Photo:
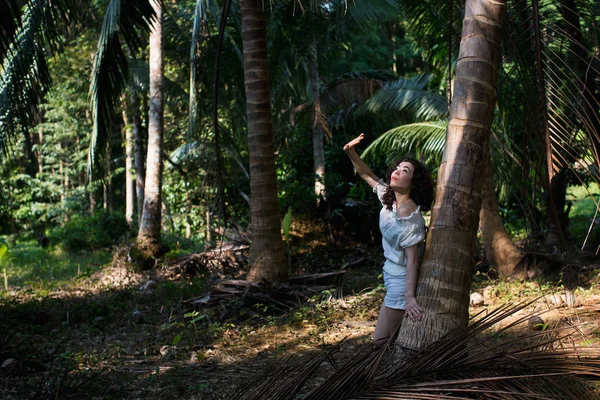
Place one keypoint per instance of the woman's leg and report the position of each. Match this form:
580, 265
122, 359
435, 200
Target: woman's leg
388, 322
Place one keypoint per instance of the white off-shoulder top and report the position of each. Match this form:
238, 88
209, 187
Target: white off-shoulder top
398, 233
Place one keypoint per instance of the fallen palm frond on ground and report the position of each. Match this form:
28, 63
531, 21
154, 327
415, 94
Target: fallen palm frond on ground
472, 362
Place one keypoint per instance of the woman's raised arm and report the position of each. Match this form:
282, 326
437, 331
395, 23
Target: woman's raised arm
361, 168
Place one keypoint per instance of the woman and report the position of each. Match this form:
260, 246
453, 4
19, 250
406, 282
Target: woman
406, 191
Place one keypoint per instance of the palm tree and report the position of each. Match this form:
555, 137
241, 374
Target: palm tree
267, 256
446, 271
410, 96
148, 239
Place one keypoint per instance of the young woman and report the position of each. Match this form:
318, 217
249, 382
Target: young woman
406, 190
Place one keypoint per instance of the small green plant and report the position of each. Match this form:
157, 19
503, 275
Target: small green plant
194, 317
4, 259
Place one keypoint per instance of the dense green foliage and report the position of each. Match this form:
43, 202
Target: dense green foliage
383, 68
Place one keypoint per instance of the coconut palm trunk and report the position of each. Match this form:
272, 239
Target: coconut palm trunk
129, 179
267, 256
140, 170
500, 250
445, 275
148, 238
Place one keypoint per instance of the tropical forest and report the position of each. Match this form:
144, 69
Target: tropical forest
299, 199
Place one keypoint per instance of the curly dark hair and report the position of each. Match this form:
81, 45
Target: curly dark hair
421, 190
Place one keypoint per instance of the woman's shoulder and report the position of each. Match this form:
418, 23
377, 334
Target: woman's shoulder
408, 210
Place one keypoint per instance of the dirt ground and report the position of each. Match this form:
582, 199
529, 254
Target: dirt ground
118, 335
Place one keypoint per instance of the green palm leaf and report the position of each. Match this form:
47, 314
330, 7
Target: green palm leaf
9, 23
433, 24
428, 137
409, 95
139, 76
25, 78
110, 70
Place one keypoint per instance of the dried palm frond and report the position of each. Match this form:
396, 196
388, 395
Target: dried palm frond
482, 360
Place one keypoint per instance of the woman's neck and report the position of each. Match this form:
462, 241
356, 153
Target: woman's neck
402, 197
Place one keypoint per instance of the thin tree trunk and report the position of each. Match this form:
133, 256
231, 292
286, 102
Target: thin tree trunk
446, 272
500, 250
317, 131
140, 171
208, 229
92, 201
129, 180
13, 228
107, 187
267, 255
61, 172
148, 237
39, 149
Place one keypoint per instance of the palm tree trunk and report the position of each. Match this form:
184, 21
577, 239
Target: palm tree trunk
140, 171
317, 131
446, 274
500, 250
129, 180
148, 237
267, 256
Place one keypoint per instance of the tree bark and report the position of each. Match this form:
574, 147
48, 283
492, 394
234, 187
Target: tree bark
446, 272
267, 255
148, 238
317, 131
500, 250
140, 171
129, 180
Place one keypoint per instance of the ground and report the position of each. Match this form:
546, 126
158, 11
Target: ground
119, 334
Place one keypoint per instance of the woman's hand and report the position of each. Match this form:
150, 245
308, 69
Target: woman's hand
412, 310
354, 142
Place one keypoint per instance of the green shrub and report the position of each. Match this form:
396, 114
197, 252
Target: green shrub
98, 231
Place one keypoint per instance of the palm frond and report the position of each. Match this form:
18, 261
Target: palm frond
547, 61
197, 39
139, 80
428, 137
110, 71
363, 12
432, 23
9, 23
25, 78
345, 92
478, 361
409, 95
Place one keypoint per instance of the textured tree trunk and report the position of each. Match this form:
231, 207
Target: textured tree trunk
108, 191
148, 238
129, 180
38, 153
61, 172
267, 255
445, 275
500, 250
140, 171
317, 131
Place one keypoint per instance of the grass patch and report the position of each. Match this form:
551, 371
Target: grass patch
582, 210
39, 268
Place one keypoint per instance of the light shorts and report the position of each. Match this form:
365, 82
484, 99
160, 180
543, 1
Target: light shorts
395, 286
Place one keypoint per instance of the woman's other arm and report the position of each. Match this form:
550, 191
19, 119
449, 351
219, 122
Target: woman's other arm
361, 168
413, 311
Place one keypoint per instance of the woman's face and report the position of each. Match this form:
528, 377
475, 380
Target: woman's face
402, 176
